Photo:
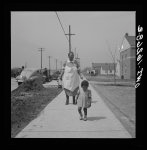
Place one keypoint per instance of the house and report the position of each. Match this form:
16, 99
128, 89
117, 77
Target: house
104, 68
128, 58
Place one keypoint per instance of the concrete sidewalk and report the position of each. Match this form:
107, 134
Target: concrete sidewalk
58, 120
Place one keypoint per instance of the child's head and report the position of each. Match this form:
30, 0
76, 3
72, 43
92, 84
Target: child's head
85, 84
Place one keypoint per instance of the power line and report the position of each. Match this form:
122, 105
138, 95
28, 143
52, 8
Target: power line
61, 25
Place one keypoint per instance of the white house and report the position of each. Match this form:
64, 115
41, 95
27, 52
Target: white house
104, 68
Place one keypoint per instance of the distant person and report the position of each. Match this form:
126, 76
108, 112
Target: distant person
70, 77
84, 99
45, 74
22, 68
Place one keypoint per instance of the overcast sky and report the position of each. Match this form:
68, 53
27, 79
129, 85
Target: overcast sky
33, 30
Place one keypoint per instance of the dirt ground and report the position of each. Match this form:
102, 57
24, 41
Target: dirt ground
27, 103
120, 98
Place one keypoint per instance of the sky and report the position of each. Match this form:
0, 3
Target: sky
96, 33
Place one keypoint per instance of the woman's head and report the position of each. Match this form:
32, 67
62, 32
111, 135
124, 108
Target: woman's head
84, 84
71, 56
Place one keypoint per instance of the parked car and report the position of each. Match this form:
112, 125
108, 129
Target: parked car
55, 75
15, 72
49, 78
30, 74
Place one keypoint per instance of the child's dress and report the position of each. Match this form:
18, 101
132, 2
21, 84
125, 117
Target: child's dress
84, 98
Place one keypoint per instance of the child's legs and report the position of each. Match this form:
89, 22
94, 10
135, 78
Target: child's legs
85, 111
67, 97
79, 110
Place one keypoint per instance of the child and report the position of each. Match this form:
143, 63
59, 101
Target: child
84, 99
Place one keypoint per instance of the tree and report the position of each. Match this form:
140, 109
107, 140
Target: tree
113, 55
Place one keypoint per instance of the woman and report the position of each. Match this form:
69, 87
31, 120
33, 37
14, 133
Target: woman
70, 77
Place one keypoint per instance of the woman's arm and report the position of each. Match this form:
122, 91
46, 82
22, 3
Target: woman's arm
61, 75
78, 93
78, 70
62, 72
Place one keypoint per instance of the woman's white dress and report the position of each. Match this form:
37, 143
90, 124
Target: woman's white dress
71, 78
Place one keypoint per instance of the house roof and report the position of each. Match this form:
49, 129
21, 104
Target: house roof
104, 66
131, 40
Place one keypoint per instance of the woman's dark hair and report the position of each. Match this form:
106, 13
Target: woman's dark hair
85, 83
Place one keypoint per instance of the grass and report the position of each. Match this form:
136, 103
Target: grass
119, 97
26, 106
109, 80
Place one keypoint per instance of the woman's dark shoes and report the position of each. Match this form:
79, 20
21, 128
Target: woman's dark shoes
74, 101
81, 118
85, 118
67, 102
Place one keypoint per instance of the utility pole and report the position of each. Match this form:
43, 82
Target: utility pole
41, 49
49, 65
69, 34
56, 64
